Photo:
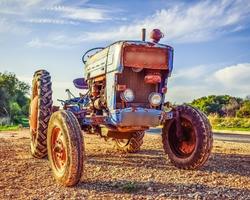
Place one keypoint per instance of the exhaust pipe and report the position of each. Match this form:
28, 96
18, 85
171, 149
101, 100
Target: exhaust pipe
143, 34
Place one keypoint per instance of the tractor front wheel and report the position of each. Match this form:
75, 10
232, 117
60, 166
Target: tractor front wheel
131, 145
65, 148
191, 147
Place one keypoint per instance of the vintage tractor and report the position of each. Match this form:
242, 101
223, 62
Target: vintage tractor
125, 88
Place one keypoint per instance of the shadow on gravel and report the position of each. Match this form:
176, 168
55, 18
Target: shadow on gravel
151, 159
235, 164
168, 189
229, 164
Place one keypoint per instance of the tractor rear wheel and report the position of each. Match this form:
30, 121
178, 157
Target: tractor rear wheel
131, 145
65, 148
40, 112
192, 149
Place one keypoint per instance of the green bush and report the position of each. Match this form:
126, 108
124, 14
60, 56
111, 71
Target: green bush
244, 111
229, 122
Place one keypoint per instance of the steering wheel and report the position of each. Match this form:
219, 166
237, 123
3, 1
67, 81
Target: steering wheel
84, 60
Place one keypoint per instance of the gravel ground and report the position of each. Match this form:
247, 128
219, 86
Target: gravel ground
112, 175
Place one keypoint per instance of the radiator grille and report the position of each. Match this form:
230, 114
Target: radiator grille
135, 81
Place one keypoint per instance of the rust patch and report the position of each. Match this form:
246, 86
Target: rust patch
140, 56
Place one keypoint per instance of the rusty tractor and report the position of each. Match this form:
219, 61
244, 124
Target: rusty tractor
125, 88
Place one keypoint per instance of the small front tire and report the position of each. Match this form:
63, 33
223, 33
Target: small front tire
65, 148
195, 145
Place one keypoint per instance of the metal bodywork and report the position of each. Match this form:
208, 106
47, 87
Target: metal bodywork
113, 64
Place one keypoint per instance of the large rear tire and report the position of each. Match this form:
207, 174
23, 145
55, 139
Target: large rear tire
65, 148
131, 145
192, 150
40, 112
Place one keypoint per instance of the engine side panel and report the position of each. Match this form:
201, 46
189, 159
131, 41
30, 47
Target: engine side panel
105, 61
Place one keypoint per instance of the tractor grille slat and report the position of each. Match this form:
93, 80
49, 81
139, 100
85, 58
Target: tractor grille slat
135, 81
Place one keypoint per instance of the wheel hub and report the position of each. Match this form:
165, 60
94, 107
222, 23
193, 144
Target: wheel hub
183, 138
187, 142
58, 147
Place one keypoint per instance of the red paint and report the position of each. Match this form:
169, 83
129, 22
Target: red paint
141, 56
164, 90
156, 35
152, 78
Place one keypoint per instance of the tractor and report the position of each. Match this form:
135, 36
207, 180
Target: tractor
124, 93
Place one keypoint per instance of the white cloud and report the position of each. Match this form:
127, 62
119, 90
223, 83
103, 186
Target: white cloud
30, 2
84, 14
233, 80
51, 21
16, 12
6, 27
235, 76
191, 73
37, 43
201, 21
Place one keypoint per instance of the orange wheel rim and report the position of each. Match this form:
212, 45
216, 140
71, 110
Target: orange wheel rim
58, 149
122, 142
184, 146
187, 145
34, 112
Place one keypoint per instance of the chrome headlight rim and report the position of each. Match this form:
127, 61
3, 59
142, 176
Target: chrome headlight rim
152, 95
127, 95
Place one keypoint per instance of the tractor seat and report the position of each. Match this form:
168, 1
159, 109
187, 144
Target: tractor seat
80, 83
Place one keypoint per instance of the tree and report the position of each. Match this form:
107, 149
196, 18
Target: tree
220, 105
13, 97
248, 97
3, 102
244, 111
232, 107
15, 112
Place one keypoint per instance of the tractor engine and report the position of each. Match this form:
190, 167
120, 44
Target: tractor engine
97, 94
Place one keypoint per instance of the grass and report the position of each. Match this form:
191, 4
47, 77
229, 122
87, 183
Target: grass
9, 128
229, 123
230, 128
130, 187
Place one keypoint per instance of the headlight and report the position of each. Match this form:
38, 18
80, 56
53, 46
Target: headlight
128, 95
155, 99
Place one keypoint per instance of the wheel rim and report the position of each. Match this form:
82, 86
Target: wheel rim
34, 113
58, 149
122, 142
184, 146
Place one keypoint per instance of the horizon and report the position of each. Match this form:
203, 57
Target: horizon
212, 51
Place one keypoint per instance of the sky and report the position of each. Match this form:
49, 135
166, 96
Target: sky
211, 40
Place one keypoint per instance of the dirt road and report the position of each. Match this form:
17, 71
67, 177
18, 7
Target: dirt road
229, 136
111, 175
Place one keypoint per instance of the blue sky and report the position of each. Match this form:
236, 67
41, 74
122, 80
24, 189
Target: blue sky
211, 40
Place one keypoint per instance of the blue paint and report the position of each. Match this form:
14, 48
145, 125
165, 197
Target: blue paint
170, 60
121, 117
